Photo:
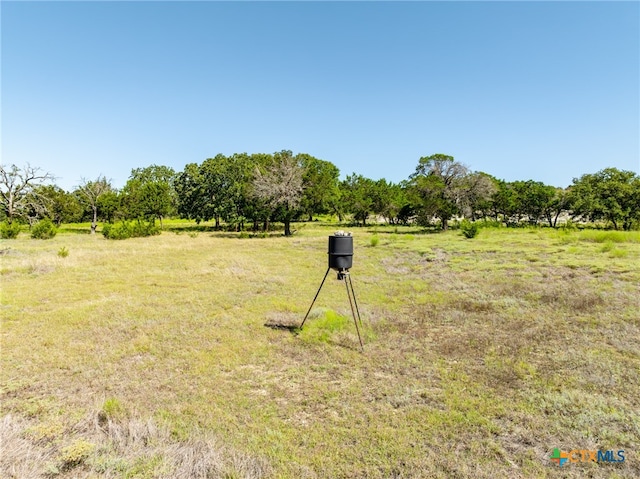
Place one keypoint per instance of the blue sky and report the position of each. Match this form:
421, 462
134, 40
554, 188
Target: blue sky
521, 90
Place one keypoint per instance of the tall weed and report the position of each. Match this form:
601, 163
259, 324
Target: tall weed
606, 247
596, 236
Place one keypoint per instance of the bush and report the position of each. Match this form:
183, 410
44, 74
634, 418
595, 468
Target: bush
126, 230
145, 229
375, 240
9, 230
44, 229
63, 252
76, 453
485, 223
469, 229
117, 231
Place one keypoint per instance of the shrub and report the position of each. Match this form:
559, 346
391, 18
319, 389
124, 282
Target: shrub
126, 230
486, 223
9, 230
469, 229
145, 229
43, 229
375, 240
118, 231
76, 453
63, 252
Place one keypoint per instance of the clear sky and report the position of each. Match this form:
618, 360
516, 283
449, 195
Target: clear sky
521, 90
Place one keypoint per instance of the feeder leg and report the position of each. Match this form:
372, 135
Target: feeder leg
316, 297
353, 313
354, 299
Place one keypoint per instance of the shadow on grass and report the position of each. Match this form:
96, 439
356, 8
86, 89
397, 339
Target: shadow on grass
192, 228
224, 232
293, 329
246, 235
77, 231
416, 231
283, 321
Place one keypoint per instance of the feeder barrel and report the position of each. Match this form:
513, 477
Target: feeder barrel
340, 252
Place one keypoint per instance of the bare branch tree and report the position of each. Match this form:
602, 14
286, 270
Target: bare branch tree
16, 184
474, 189
90, 192
280, 184
37, 205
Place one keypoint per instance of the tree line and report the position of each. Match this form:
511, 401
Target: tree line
251, 191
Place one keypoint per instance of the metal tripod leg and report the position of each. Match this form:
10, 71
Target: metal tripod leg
354, 299
353, 313
316, 297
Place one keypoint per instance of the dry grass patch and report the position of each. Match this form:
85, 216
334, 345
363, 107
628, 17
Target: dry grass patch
99, 446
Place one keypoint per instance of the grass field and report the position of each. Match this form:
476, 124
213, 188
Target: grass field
150, 357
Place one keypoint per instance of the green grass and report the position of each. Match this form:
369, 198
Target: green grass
599, 236
125, 358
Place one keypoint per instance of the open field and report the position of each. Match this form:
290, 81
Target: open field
150, 357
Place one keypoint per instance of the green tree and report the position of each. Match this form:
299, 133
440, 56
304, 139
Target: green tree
320, 181
437, 187
217, 202
388, 200
60, 206
154, 174
228, 184
558, 204
217, 189
149, 193
358, 196
190, 191
131, 206
109, 206
533, 199
249, 206
610, 194
503, 201
157, 200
